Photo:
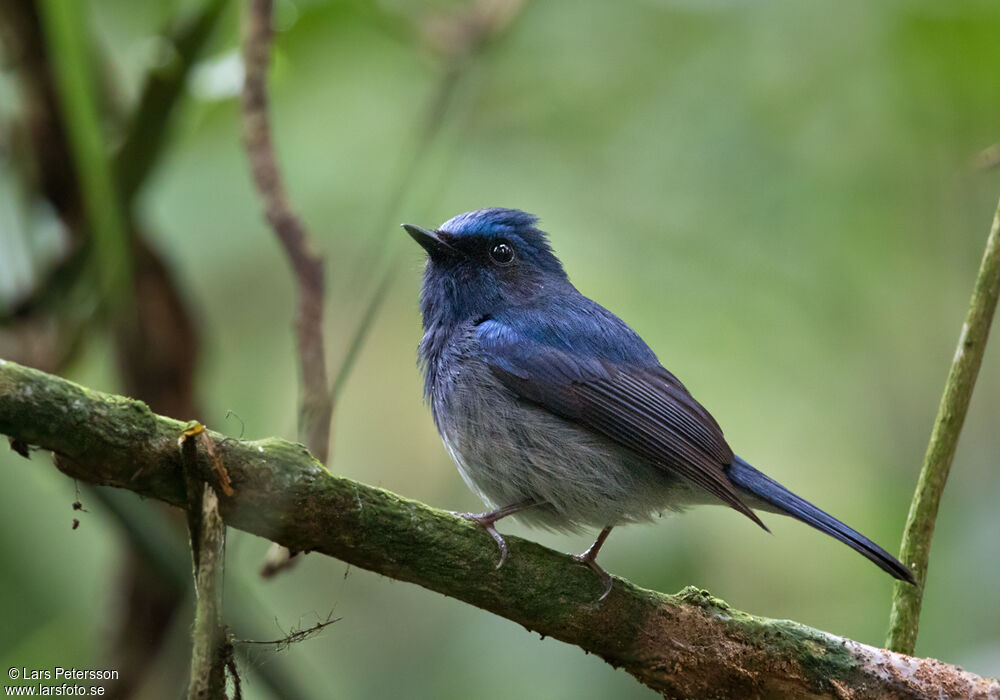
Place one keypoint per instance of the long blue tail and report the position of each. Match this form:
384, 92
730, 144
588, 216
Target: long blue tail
784, 501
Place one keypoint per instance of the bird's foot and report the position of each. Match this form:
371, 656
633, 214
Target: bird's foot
487, 521
590, 559
605, 577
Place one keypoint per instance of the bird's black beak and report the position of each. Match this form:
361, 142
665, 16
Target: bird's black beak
430, 241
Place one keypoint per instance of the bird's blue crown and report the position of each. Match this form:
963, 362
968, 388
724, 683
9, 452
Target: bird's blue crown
518, 226
491, 222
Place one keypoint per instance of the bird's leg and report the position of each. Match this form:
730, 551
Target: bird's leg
487, 520
590, 559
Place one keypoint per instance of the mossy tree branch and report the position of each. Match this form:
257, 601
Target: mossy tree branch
915, 548
687, 645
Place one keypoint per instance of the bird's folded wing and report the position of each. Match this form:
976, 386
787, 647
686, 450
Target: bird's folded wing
639, 405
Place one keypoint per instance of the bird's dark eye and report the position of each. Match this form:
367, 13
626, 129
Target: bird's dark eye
502, 253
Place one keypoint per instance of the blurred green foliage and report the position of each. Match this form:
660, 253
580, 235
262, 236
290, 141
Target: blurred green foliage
778, 196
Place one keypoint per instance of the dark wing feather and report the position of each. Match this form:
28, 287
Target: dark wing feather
642, 407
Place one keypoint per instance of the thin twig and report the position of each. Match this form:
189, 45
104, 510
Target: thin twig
360, 333
295, 635
315, 405
460, 38
915, 549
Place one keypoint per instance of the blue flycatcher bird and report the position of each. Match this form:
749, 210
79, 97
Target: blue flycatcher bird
557, 412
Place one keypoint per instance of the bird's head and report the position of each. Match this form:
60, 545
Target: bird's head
481, 261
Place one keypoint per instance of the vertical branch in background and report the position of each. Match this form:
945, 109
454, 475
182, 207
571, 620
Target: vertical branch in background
915, 549
148, 132
63, 24
315, 403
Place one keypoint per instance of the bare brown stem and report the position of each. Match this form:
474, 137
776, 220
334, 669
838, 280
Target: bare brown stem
315, 403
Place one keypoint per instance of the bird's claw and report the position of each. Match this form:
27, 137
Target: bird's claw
488, 524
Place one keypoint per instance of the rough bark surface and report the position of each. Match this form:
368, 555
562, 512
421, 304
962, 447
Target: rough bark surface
689, 645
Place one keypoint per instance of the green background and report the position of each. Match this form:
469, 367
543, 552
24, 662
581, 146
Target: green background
779, 197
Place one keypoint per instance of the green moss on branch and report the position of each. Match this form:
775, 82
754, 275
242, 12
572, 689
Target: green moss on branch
690, 645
